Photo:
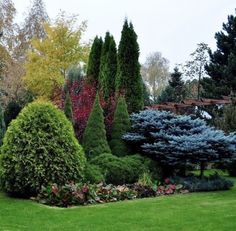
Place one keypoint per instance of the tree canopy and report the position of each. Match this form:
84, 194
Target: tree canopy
48, 62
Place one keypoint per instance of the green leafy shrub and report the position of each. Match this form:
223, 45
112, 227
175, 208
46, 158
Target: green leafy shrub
212, 183
40, 147
92, 174
121, 170
115, 170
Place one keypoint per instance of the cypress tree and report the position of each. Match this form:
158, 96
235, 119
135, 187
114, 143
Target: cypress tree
2, 125
108, 67
94, 138
222, 65
94, 59
68, 107
121, 125
128, 78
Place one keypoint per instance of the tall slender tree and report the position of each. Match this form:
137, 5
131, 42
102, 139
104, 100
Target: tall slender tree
128, 78
94, 59
108, 67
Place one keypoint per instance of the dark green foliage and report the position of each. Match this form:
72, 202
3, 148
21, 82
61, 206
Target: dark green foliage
115, 170
121, 170
68, 107
12, 110
212, 183
175, 91
128, 78
108, 66
179, 141
39, 147
121, 125
92, 174
2, 126
94, 59
232, 168
166, 95
146, 95
94, 138
227, 122
222, 66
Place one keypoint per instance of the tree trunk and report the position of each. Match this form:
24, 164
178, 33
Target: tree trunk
202, 168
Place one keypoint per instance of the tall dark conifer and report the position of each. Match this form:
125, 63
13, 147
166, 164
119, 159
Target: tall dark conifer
222, 66
108, 66
94, 59
128, 78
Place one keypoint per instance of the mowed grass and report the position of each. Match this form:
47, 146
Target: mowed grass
213, 211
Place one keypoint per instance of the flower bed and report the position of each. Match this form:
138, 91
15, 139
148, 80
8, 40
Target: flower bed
84, 194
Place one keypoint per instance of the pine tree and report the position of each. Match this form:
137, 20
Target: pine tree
175, 91
94, 138
108, 67
222, 65
68, 107
121, 125
94, 59
2, 126
128, 78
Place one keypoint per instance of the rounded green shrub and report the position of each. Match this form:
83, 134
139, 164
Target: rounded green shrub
121, 170
114, 169
92, 174
40, 148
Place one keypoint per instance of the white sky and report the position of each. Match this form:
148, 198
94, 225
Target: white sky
172, 27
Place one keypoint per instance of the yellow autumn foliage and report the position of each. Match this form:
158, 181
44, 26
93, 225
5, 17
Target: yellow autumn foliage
50, 58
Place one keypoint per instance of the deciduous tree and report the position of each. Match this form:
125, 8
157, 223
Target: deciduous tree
48, 62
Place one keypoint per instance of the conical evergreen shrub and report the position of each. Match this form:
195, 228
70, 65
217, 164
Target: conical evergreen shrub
121, 125
68, 107
94, 138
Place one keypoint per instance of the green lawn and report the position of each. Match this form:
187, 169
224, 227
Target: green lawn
214, 211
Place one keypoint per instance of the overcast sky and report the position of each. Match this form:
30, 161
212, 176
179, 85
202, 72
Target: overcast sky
172, 27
